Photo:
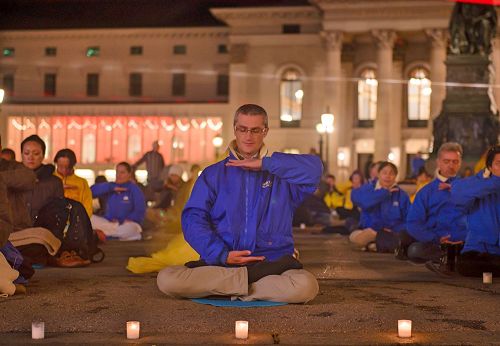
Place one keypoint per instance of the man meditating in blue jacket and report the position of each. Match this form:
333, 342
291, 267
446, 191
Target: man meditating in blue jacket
433, 220
239, 219
479, 197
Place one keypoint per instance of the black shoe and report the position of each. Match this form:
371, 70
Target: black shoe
439, 269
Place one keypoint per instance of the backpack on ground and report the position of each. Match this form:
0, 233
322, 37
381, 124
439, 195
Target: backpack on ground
68, 221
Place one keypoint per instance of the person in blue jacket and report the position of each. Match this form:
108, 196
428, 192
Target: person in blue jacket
239, 219
125, 208
433, 220
383, 208
479, 197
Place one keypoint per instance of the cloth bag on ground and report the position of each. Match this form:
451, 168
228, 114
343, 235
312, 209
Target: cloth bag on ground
69, 222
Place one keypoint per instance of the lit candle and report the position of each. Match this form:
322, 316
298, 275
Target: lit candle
241, 329
404, 328
37, 330
487, 278
302, 226
133, 329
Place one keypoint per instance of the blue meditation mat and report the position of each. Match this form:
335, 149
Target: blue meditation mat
237, 303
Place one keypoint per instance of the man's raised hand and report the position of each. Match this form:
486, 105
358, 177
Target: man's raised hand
250, 164
242, 257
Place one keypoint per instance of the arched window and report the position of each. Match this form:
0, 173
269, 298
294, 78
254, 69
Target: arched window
367, 98
419, 97
291, 94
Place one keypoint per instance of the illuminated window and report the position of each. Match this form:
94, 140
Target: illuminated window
49, 85
180, 49
50, 51
93, 52
179, 84
8, 51
88, 148
367, 98
93, 84
419, 96
222, 84
8, 84
135, 84
291, 95
136, 50
222, 49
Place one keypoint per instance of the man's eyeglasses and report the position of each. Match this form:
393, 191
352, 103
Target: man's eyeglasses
253, 131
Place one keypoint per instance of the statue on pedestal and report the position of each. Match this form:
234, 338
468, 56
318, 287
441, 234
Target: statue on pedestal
472, 27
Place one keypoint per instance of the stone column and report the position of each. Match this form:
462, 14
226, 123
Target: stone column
3, 126
495, 57
382, 129
333, 45
439, 41
238, 92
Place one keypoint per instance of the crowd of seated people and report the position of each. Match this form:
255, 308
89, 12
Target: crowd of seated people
33, 194
449, 224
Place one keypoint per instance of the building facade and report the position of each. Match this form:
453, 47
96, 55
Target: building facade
378, 66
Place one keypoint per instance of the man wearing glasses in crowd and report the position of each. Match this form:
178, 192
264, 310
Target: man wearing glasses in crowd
239, 219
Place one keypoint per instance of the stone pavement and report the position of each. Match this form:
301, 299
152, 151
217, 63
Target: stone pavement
362, 295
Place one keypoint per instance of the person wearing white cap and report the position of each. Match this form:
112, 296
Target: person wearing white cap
170, 186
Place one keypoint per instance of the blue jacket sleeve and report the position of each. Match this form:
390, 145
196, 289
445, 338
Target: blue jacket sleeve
301, 171
137, 214
366, 197
197, 226
416, 220
102, 189
464, 192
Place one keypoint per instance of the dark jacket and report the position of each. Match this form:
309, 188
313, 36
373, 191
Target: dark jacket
47, 187
18, 180
5, 215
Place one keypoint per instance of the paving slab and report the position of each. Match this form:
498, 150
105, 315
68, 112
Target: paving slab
362, 295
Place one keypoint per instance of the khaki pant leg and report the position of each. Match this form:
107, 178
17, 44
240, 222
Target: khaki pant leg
362, 237
183, 282
293, 286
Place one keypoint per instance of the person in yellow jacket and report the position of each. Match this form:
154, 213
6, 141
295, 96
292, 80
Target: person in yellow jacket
177, 251
75, 187
333, 197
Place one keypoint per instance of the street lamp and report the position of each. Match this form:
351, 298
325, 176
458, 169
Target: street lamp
217, 141
321, 130
3, 124
327, 120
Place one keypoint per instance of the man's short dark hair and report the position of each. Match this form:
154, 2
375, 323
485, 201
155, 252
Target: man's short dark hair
10, 152
127, 166
251, 109
36, 139
67, 153
384, 164
490, 156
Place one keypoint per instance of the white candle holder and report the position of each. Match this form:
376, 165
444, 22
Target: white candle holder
487, 278
241, 330
404, 328
37, 330
133, 329
302, 226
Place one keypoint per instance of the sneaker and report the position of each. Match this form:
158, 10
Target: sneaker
71, 260
438, 269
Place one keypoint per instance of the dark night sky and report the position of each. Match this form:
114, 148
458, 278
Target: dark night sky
62, 14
